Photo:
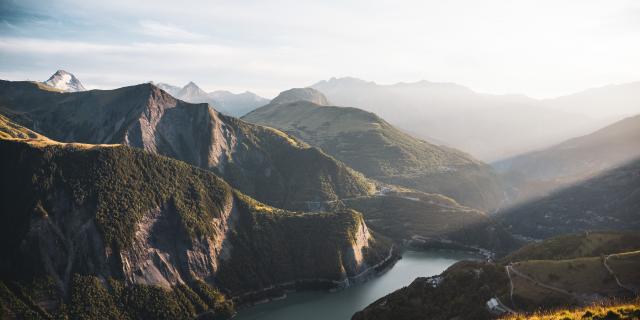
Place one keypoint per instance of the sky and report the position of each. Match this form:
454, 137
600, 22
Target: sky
540, 48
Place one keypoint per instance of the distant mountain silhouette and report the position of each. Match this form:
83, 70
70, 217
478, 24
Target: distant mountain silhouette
224, 101
540, 172
490, 127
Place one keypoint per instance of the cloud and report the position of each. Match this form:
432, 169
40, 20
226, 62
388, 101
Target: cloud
538, 47
264, 70
167, 31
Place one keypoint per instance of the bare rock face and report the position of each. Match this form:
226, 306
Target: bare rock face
64, 244
162, 255
362, 241
354, 256
194, 133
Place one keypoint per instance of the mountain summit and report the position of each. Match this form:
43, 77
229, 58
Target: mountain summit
192, 92
65, 81
301, 94
224, 101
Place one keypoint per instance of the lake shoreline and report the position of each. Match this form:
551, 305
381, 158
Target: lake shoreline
280, 291
336, 303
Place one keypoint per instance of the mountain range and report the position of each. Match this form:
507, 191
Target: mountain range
85, 207
262, 162
132, 203
474, 122
607, 101
124, 233
370, 145
233, 104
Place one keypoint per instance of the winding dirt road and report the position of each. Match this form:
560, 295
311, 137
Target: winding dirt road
613, 274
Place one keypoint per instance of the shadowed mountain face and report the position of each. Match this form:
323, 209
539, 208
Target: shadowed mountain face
540, 172
73, 216
460, 117
261, 162
372, 146
610, 200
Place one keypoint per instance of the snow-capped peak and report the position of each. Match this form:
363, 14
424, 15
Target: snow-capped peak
65, 81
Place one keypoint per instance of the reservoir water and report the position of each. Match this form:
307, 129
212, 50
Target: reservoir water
341, 305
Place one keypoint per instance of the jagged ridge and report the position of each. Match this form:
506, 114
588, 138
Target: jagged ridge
261, 162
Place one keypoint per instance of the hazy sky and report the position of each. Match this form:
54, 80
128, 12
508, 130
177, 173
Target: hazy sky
540, 48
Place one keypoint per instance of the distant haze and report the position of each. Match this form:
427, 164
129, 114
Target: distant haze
538, 48
490, 127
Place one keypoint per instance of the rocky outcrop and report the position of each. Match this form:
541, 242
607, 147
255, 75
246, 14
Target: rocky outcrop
361, 240
161, 255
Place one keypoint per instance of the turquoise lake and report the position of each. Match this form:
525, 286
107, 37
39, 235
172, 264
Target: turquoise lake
341, 305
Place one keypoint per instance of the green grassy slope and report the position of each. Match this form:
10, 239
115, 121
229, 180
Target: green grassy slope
372, 146
577, 245
541, 276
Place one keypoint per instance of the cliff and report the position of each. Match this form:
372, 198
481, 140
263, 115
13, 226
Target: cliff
126, 225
